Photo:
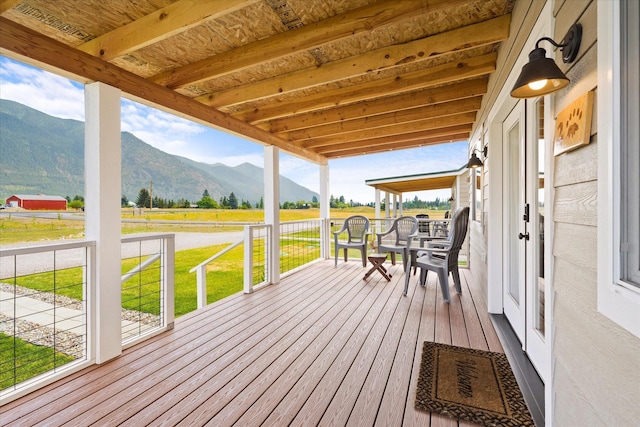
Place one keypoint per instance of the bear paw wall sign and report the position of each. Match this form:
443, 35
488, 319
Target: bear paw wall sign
573, 125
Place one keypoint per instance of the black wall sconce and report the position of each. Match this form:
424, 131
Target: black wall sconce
474, 161
541, 75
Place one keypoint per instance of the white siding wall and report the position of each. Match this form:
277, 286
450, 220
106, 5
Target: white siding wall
596, 377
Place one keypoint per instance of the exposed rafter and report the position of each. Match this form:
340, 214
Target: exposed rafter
466, 89
159, 25
473, 36
364, 19
318, 79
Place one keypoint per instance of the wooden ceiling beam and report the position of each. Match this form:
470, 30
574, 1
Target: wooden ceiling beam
361, 20
403, 117
422, 79
452, 92
464, 38
22, 42
428, 124
413, 137
159, 25
395, 146
7, 4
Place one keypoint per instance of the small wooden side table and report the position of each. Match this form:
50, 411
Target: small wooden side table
377, 260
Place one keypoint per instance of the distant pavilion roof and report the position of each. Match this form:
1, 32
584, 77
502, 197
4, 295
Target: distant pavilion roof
419, 182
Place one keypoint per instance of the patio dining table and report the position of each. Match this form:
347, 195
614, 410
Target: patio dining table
433, 227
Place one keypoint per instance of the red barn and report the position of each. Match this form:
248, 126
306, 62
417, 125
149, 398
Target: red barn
37, 202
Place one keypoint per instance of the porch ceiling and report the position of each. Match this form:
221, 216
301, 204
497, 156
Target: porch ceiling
320, 80
421, 182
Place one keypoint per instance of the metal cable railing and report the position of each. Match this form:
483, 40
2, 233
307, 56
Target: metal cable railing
149, 274
43, 310
299, 244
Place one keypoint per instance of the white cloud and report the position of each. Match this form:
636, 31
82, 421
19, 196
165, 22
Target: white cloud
159, 129
41, 90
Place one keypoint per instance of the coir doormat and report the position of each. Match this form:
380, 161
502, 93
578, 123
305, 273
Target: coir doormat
471, 385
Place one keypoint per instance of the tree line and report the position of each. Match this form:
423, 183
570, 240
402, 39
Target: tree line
144, 200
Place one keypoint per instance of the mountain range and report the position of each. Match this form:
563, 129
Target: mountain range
41, 154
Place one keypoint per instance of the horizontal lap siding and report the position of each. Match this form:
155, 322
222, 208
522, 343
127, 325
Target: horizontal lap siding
595, 376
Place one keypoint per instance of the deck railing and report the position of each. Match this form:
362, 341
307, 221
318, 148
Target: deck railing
258, 241
201, 273
300, 244
46, 308
147, 285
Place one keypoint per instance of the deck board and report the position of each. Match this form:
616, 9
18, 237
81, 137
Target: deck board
323, 347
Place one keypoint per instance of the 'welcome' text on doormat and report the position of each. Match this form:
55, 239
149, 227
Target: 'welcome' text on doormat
472, 385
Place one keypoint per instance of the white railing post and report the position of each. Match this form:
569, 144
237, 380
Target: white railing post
325, 238
201, 274
268, 241
201, 278
248, 259
168, 277
89, 304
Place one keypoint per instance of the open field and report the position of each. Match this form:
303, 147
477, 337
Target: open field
16, 229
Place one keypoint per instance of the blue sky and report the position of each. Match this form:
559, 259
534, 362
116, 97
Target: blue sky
61, 97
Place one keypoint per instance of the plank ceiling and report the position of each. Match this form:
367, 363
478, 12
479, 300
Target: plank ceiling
320, 79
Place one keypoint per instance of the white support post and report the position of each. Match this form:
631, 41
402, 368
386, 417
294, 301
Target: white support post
400, 204
387, 207
395, 205
325, 212
378, 229
272, 206
102, 216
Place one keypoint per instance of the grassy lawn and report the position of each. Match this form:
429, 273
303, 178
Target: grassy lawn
21, 360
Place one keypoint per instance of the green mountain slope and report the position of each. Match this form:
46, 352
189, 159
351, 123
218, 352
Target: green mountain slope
44, 154
244, 178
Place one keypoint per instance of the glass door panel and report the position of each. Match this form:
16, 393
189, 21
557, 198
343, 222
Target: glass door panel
539, 288
514, 228
513, 185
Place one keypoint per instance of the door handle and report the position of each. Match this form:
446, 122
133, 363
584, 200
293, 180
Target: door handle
523, 236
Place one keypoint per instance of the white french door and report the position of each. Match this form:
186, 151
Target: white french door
523, 233
514, 241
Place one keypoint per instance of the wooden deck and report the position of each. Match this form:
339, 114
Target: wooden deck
323, 347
